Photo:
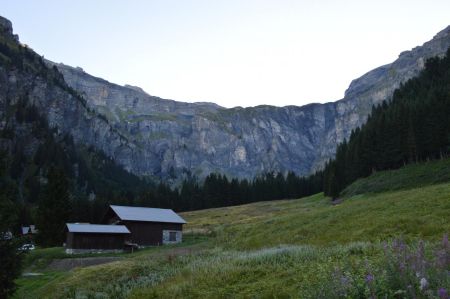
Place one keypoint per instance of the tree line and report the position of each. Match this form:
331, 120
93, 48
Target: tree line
219, 191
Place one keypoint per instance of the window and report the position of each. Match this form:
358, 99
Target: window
172, 236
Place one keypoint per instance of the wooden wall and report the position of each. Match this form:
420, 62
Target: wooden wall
149, 233
95, 241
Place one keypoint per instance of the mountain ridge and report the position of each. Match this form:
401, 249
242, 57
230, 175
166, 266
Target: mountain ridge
162, 138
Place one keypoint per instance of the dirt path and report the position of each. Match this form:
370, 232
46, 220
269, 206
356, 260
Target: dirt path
71, 263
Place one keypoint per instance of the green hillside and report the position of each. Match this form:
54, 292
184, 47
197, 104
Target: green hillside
281, 249
408, 177
412, 213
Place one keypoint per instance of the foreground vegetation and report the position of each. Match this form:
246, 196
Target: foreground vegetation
369, 245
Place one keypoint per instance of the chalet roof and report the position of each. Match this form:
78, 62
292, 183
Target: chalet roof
97, 228
147, 214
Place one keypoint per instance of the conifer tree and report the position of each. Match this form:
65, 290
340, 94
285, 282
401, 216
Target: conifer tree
10, 257
54, 209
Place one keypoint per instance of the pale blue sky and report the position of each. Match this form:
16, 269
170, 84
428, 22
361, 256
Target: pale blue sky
232, 52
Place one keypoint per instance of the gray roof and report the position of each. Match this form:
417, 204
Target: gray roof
147, 214
97, 228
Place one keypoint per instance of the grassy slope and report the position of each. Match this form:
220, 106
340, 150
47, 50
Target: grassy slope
420, 212
267, 249
408, 177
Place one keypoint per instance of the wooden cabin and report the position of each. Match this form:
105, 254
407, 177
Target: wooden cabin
148, 226
85, 237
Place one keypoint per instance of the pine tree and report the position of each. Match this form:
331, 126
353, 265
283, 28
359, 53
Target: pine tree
11, 261
54, 209
10, 258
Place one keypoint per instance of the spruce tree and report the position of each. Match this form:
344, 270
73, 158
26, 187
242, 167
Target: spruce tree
10, 257
54, 209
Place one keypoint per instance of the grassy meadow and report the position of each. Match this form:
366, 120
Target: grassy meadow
387, 242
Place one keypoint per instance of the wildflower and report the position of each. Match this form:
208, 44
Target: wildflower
442, 293
423, 283
369, 278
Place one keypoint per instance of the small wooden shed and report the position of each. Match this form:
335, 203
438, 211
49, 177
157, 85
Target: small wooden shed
85, 237
148, 226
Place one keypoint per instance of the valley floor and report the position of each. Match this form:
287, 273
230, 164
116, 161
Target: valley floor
303, 248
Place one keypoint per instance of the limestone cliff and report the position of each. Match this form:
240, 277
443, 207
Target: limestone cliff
151, 136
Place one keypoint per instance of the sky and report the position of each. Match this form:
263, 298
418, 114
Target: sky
231, 52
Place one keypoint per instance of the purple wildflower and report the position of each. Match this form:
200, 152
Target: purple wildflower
442, 293
369, 278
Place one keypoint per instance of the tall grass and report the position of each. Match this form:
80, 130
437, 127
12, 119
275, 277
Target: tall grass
355, 270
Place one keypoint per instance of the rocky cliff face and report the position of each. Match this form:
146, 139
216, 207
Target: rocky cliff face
157, 137
201, 138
